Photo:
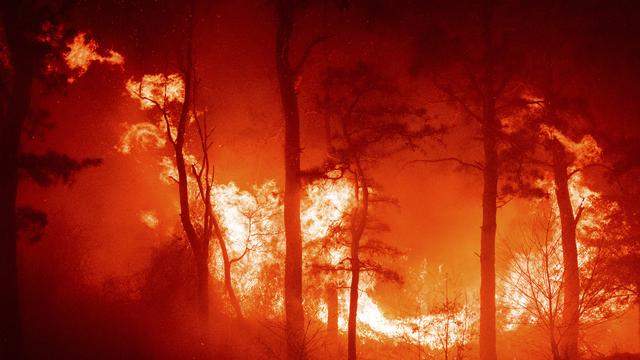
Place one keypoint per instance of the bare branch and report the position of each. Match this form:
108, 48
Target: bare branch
307, 52
474, 165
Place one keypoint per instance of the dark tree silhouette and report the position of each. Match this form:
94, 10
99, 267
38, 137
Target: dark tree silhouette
366, 122
288, 76
482, 68
623, 225
200, 223
26, 55
537, 277
557, 117
15, 108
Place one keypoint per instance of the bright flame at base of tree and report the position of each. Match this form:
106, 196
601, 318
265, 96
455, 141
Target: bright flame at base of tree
253, 225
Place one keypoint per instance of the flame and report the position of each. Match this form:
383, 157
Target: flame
519, 294
586, 151
253, 225
249, 222
326, 204
150, 219
157, 89
145, 134
82, 53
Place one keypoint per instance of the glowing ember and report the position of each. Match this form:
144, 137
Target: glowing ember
150, 219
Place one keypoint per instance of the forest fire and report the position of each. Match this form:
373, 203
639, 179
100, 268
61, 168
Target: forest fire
319, 180
81, 53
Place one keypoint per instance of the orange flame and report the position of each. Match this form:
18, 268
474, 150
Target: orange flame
252, 222
519, 293
150, 219
81, 54
158, 89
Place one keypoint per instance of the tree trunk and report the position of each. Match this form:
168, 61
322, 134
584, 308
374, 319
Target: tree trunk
555, 352
199, 244
570, 311
293, 250
553, 343
332, 315
227, 268
22, 61
357, 229
490, 128
353, 302
202, 273
488, 243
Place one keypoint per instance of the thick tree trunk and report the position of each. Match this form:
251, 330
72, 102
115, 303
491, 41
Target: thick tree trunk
293, 256
570, 311
490, 128
22, 61
202, 273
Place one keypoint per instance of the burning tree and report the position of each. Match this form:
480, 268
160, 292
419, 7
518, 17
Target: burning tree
366, 121
623, 224
452, 321
534, 288
173, 98
445, 322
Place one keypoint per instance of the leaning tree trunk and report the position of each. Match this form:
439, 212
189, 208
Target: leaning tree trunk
570, 311
357, 229
199, 248
226, 261
17, 105
294, 314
